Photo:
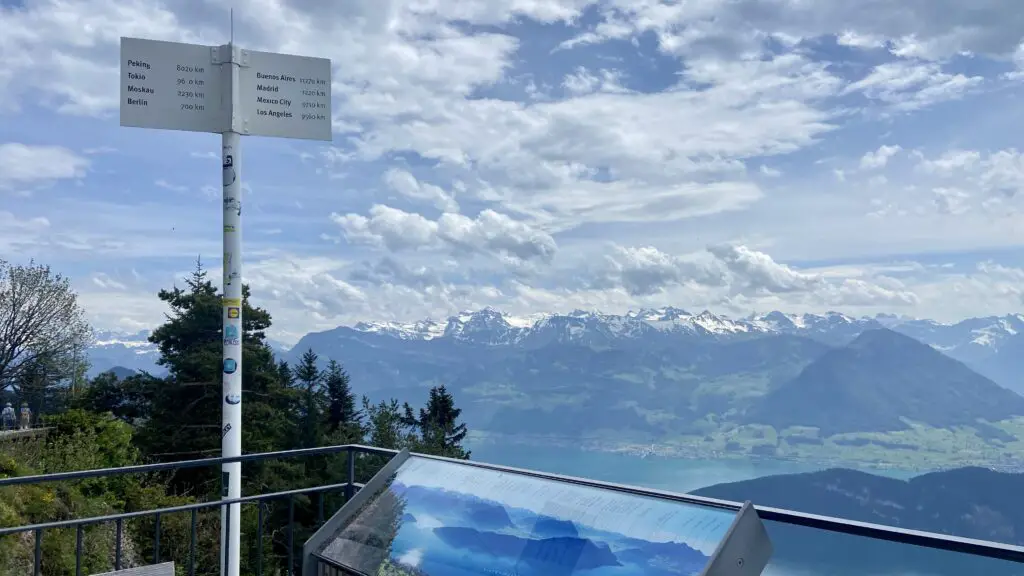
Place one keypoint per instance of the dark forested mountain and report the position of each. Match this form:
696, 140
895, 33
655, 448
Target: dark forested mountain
878, 382
120, 372
966, 502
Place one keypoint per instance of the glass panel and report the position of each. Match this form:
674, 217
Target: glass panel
440, 518
801, 551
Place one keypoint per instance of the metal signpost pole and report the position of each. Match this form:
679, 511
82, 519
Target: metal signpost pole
231, 92
231, 433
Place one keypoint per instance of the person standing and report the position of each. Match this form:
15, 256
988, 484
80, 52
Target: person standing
7, 418
26, 416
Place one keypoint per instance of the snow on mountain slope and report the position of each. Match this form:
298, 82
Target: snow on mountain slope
972, 340
128, 350
492, 327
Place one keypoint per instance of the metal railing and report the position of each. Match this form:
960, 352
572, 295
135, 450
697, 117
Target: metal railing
979, 548
79, 524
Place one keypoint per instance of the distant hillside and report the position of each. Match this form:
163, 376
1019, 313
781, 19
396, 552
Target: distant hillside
967, 502
120, 372
648, 392
1006, 366
772, 385
877, 381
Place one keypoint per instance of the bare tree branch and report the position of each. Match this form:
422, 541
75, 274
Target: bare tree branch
41, 323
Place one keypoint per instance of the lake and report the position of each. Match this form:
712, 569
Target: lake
671, 474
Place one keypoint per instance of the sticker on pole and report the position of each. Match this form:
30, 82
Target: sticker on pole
171, 86
232, 399
230, 366
286, 96
231, 335
233, 312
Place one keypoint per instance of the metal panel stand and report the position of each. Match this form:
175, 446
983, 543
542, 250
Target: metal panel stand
165, 569
746, 548
354, 505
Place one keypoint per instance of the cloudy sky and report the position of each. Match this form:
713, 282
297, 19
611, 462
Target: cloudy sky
541, 155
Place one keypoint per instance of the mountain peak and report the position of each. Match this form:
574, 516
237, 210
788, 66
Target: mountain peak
895, 379
884, 338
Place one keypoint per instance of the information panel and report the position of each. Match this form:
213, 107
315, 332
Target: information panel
286, 96
171, 86
437, 518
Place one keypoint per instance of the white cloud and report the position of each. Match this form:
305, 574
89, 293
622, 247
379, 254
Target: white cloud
878, 158
406, 184
950, 162
971, 179
906, 86
858, 40
19, 235
172, 187
477, 165
488, 233
24, 165
106, 282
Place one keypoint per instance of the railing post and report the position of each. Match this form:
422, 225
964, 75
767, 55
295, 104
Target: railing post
259, 538
78, 550
38, 560
291, 535
156, 541
227, 541
192, 546
350, 489
320, 496
119, 532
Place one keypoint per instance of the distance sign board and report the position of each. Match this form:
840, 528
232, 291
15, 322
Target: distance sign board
285, 96
172, 86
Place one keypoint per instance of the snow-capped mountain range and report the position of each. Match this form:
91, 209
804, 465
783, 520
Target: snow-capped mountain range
489, 326
132, 350
974, 341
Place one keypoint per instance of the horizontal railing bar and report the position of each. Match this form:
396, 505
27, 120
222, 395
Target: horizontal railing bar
182, 464
170, 510
945, 542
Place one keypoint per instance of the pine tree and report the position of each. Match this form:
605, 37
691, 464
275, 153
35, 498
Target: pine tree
39, 385
440, 431
126, 399
343, 419
385, 427
311, 420
185, 410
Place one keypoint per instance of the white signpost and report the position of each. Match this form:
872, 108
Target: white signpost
234, 92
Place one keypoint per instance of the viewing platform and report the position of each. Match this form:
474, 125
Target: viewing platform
426, 515
27, 434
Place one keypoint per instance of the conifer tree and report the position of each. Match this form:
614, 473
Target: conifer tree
438, 426
385, 426
311, 420
344, 421
185, 411
125, 399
